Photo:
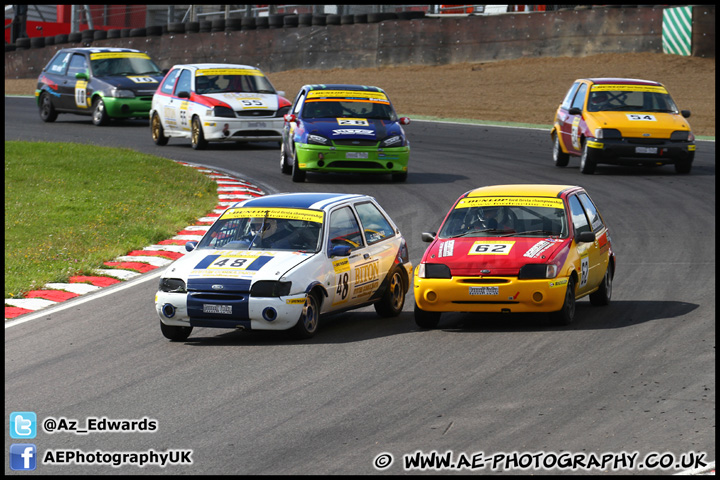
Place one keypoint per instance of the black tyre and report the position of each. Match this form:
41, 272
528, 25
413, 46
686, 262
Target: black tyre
684, 166
99, 113
425, 319
393, 300
157, 130
587, 160
560, 158
174, 333
197, 135
284, 166
47, 110
298, 175
309, 320
399, 177
603, 294
566, 314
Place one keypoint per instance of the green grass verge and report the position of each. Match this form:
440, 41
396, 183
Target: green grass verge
71, 207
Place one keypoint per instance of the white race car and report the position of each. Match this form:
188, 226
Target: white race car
279, 261
209, 102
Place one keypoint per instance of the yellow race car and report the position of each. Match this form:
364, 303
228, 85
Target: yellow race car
516, 248
624, 122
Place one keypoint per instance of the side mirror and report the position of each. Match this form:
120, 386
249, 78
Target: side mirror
428, 236
165, 71
82, 76
404, 121
290, 117
281, 93
340, 250
183, 94
585, 237
685, 113
190, 246
575, 111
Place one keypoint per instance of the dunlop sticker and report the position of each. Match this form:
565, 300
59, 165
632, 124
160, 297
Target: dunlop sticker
341, 265
104, 55
228, 71
510, 202
347, 94
629, 88
285, 213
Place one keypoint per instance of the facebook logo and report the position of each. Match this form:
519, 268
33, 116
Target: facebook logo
23, 456
23, 425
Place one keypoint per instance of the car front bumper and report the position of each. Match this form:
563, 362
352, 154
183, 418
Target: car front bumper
137, 107
319, 158
631, 151
493, 295
243, 130
242, 311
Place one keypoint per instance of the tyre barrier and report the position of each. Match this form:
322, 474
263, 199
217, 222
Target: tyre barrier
100, 35
333, 19
75, 37
205, 26
248, 23
233, 24
113, 33
192, 27
319, 20
217, 25
37, 42
154, 30
291, 21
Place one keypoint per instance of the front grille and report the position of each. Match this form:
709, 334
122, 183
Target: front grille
255, 113
356, 143
485, 302
256, 133
219, 297
353, 164
646, 141
484, 281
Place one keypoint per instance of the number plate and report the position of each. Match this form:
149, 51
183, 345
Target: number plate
226, 309
356, 155
652, 150
484, 290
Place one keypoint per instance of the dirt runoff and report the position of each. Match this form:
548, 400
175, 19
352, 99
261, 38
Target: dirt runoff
526, 90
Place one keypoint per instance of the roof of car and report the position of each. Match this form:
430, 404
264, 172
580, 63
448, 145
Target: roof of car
97, 50
521, 190
342, 86
621, 81
200, 66
300, 200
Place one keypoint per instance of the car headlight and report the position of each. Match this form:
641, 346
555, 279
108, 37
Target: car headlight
314, 139
282, 111
680, 136
223, 112
433, 270
607, 133
538, 270
117, 93
172, 285
394, 141
270, 288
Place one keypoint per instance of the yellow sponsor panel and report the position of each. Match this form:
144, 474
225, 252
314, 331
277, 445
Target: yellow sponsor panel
347, 94
628, 88
285, 213
104, 55
228, 71
295, 301
592, 144
471, 201
341, 265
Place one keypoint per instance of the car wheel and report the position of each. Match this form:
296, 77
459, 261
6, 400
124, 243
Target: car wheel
197, 135
560, 158
284, 167
175, 333
99, 113
158, 133
602, 295
47, 110
587, 160
307, 324
298, 175
425, 319
393, 300
566, 314
399, 177
684, 166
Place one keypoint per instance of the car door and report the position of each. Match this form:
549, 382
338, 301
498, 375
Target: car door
177, 108
73, 91
599, 251
382, 243
162, 101
571, 126
290, 128
586, 251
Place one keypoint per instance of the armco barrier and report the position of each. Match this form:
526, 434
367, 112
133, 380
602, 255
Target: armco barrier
435, 40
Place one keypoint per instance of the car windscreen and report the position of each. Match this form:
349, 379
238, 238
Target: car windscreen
105, 64
348, 104
630, 98
221, 80
266, 228
506, 216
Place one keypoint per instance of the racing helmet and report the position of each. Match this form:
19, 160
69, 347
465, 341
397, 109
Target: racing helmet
598, 98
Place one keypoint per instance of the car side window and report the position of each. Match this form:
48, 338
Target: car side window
579, 100
375, 226
169, 82
579, 219
344, 229
78, 64
570, 95
591, 211
298, 102
59, 64
183, 83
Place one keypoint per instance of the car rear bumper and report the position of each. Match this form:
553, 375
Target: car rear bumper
631, 151
319, 158
493, 295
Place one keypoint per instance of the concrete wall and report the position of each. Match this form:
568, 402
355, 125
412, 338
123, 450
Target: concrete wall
425, 41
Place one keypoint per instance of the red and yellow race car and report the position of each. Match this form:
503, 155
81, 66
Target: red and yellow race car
621, 121
516, 249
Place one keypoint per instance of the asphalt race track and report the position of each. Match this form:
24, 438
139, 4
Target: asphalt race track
637, 376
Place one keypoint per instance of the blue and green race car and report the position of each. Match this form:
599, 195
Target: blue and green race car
338, 128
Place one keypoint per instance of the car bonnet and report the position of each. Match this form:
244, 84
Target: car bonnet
240, 101
639, 124
353, 128
142, 84
495, 255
